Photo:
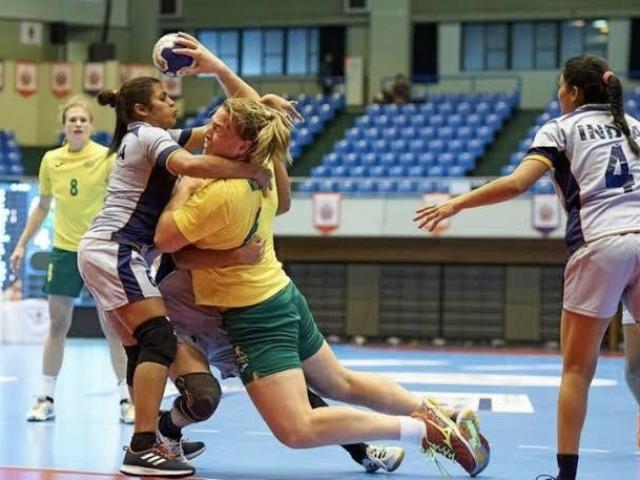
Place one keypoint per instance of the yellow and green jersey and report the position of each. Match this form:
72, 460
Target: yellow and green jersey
222, 215
77, 181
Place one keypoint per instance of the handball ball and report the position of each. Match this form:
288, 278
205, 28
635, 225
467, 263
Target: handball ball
169, 63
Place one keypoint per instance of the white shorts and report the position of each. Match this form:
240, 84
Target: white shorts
116, 274
196, 325
601, 273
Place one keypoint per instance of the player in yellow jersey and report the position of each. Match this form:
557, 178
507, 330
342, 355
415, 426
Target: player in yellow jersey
75, 176
277, 346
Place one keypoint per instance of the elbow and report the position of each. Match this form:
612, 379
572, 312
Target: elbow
515, 186
162, 242
283, 207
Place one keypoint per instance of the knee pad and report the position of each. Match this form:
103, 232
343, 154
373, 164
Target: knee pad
157, 340
200, 396
133, 353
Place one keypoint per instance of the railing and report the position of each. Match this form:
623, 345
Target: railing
422, 85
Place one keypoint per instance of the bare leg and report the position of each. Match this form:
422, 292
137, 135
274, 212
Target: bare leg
116, 352
60, 314
581, 338
369, 390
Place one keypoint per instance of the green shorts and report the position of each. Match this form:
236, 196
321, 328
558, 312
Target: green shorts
63, 276
273, 336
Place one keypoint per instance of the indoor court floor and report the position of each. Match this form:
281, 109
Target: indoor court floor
515, 393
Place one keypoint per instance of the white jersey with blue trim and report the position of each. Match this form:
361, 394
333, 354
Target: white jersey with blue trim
140, 185
595, 172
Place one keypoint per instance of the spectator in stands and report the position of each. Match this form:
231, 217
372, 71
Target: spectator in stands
327, 74
401, 90
75, 175
399, 93
593, 156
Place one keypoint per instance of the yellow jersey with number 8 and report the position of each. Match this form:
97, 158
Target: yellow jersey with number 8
78, 182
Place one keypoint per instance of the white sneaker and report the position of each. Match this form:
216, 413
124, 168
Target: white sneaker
387, 458
127, 412
42, 411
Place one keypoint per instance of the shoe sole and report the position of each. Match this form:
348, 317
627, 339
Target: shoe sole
195, 453
36, 420
132, 470
465, 426
397, 464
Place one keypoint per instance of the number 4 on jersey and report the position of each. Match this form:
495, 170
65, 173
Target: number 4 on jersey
623, 179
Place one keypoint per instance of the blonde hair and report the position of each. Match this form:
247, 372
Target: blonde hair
266, 128
75, 101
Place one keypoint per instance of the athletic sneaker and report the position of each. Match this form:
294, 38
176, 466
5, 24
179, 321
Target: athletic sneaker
467, 422
42, 411
387, 458
444, 437
154, 462
127, 412
183, 448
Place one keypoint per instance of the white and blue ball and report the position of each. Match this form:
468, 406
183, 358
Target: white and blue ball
166, 60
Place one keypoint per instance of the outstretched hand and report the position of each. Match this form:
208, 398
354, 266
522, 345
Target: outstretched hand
252, 252
205, 60
431, 215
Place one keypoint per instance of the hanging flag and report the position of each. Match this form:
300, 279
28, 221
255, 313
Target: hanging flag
433, 199
545, 215
93, 77
173, 86
326, 212
26, 78
31, 33
60, 78
133, 70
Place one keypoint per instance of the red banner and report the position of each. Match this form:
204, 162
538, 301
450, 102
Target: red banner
133, 70
326, 212
93, 77
61, 73
26, 80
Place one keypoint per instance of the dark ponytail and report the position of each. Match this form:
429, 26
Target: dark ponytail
613, 86
136, 90
598, 84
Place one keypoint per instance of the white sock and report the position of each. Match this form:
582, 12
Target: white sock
412, 430
123, 389
48, 388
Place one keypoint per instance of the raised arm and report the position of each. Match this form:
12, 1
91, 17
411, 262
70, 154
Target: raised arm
208, 62
499, 190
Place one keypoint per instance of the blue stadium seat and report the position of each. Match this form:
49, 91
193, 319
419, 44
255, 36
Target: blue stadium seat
467, 161
315, 124
390, 109
398, 146
445, 133
456, 146
416, 172
304, 136
366, 187
379, 146
445, 108
407, 159
327, 186
485, 134
386, 187
427, 133
342, 146
427, 109
326, 112
456, 171
390, 133
464, 108
382, 121
396, 171
351, 160
359, 171
388, 159
407, 187
340, 171
371, 133
347, 187
321, 171
515, 158
331, 159
364, 121
378, 171
474, 120
455, 121
360, 147
308, 186
374, 109
426, 159
353, 134
435, 146
418, 146
465, 133
436, 121
369, 160
418, 120
446, 159
436, 171
400, 121
408, 133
